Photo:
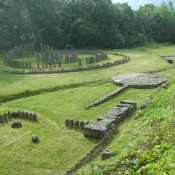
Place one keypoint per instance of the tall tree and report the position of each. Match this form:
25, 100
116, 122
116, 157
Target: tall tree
15, 26
83, 23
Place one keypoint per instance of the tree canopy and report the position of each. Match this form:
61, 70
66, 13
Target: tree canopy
84, 23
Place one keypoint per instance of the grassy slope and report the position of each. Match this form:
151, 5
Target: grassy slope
55, 137
133, 135
148, 146
55, 155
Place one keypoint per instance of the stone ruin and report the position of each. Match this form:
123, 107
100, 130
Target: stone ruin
106, 154
21, 115
52, 69
133, 80
16, 124
26, 50
99, 128
70, 123
139, 80
94, 130
50, 57
169, 59
35, 139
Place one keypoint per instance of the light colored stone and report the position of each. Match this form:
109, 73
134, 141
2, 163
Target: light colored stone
139, 80
107, 154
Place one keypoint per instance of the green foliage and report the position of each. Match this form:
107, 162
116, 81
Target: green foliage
84, 24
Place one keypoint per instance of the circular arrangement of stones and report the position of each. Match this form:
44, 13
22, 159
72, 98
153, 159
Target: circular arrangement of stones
139, 80
50, 60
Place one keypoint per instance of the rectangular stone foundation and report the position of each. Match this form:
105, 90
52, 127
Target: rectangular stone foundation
103, 124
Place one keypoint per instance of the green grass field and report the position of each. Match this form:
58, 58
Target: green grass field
56, 97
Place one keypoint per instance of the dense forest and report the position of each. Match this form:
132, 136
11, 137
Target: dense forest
84, 23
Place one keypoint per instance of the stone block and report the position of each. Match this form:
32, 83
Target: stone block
77, 124
9, 115
87, 132
35, 139
19, 114
35, 117
124, 105
78, 165
71, 124
16, 124
74, 168
1, 119
107, 154
30, 116
5, 117
14, 115
23, 115
67, 122
27, 115
82, 124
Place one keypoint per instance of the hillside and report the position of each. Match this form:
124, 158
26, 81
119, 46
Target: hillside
151, 140
54, 98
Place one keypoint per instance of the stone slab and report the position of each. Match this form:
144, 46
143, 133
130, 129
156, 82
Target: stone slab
99, 128
139, 80
169, 59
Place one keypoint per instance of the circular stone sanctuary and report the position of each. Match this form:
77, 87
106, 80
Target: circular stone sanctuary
139, 80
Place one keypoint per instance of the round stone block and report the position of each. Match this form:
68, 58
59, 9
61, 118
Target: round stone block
16, 124
35, 139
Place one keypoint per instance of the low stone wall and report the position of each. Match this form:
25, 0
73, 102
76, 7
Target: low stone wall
105, 98
23, 115
148, 99
76, 69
